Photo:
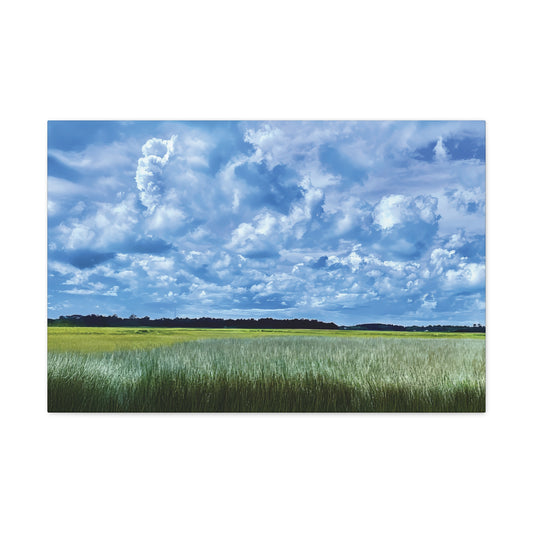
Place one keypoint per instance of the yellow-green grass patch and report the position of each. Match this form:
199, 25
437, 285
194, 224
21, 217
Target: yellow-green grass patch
106, 339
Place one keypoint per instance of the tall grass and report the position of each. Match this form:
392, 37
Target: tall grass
298, 374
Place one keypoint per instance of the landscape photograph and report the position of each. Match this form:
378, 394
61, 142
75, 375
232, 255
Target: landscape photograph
266, 266
280, 251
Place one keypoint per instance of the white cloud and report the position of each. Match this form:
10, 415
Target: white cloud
232, 188
165, 218
467, 275
303, 211
269, 230
114, 223
112, 292
467, 200
441, 259
95, 157
428, 302
53, 208
154, 265
295, 144
110, 225
62, 268
391, 210
456, 240
441, 154
243, 233
396, 209
156, 154
223, 262
79, 291
268, 141
265, 224
77, 236
160, 148
259, 237
353, 260
61, 188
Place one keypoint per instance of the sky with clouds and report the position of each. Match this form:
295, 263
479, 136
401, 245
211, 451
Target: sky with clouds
348, 222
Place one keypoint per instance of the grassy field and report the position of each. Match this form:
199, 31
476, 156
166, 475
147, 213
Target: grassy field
152, 370
85, 340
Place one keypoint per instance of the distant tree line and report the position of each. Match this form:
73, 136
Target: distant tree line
204, 322
247, 323
476, 328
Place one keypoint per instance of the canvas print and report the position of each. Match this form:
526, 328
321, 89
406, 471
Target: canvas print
266, 266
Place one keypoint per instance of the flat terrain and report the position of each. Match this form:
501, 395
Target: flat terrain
85, 340
154, 370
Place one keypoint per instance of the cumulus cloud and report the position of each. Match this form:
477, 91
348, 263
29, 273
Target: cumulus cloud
303, 212
353, 260
456, 240
269, 231
441, 154
166, 218
104, 228
441, 258
268, 141
466, 275
76, 236
467, 200
397, 209
258, 238
156, 154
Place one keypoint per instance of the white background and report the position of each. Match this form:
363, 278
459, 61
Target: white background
291, 60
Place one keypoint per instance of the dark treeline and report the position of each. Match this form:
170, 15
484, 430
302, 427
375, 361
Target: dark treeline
476, 328
248, 323
204, 322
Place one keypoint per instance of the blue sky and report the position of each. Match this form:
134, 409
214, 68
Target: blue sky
348, 222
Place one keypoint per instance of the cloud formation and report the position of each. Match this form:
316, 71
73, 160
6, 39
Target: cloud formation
149, 176
343, 221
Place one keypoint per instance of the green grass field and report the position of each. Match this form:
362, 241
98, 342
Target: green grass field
85, 340
154, 370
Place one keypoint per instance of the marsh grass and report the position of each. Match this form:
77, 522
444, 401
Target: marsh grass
101, 339
273, 374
